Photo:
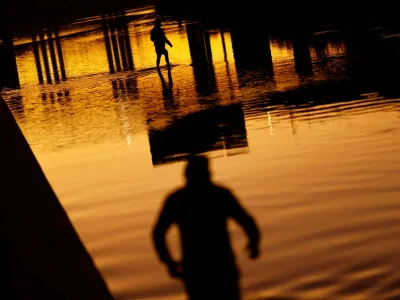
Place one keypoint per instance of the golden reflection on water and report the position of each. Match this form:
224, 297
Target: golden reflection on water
314, 174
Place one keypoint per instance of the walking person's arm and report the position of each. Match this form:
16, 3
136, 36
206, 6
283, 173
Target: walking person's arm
167, 40
164, 222
243, 218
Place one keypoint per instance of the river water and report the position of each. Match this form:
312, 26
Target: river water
306, 134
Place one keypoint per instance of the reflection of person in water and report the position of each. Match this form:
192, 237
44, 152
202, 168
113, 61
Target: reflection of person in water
166, 88
201, 210
159, 39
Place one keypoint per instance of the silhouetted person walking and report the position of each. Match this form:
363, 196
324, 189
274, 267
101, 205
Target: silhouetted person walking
201, 210
159, 39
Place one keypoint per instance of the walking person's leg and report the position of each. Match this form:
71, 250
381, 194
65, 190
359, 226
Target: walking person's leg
167, 59
158, 60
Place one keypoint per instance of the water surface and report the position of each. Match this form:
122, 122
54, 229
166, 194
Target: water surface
306, 134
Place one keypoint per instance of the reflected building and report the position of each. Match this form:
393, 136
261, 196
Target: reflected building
218, 128
117, 42
200, 51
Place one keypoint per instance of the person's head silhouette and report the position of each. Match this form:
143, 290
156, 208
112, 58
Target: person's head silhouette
197, 170
157, 22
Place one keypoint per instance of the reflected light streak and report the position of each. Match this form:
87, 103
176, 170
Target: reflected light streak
271, 129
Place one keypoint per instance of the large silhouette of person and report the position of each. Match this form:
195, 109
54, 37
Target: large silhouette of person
159, 39
201, 210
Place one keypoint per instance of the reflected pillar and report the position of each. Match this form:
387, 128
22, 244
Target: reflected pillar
45, 57
127, 42
251, 49
117, 43
114, 43
8, 64
50, 46
200, 51
302, 57
60, 55
53, 56
37, 58
107, 43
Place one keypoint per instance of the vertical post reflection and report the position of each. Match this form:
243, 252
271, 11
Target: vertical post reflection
251, 49
8, 63
107, 43
56, 56
252, 52
37, 58
200, 51
45, 57
114, 43
60, 55
117, 42
53, 55
118, 20
127, 41
302, 56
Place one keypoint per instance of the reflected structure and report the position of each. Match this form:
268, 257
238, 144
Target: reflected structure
48, 50
252, 52
200, 51
61, 97
302, 56
8, 65
219, 128
117, 42
125, 87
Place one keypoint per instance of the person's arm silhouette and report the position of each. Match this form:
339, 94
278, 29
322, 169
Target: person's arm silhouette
167, 41
164, 222
239, 214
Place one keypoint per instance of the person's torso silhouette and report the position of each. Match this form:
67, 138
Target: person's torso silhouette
201, 210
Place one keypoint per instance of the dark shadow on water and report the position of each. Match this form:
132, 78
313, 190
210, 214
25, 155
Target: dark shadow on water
167, 91
201, 210
222, 127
